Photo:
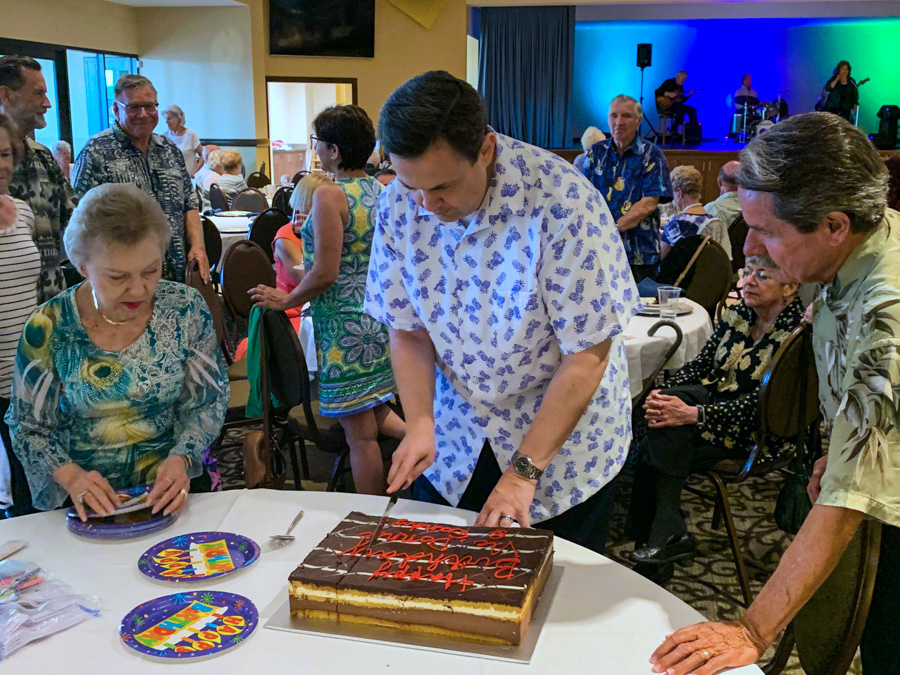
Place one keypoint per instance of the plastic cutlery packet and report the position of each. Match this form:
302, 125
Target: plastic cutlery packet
34, 605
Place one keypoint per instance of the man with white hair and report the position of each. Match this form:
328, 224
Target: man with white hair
62, 153
590, 136
129, 152
633, 177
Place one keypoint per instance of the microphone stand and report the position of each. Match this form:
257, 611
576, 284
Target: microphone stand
652, 136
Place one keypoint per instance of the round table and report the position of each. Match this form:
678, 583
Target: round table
644, 352
604, 618
232, 229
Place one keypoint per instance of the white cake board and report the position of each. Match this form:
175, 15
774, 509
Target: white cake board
282, 620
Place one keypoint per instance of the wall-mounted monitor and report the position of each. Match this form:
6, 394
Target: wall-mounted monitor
322, 27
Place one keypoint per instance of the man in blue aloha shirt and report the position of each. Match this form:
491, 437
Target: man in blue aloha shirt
633, 177
503, 280
129, 152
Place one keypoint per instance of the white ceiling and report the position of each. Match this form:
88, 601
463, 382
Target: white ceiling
177, 3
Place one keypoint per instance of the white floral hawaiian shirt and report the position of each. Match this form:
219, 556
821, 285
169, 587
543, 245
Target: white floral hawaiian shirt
540, 271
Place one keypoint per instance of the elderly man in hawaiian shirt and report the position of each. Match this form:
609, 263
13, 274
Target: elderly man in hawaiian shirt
129, 152
633, 177
814, 191
499, 270
38, 179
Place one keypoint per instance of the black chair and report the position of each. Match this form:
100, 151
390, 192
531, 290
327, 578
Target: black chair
217, 199
282, 200
246, 266
265, 227
298, 176
257, 179
737, 233
788, 408
711, 279
212, 241
251, 200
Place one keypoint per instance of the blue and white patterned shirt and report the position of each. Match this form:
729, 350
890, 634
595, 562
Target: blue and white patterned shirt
538, 272
111, 157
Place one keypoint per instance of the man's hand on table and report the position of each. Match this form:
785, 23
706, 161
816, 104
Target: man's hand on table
708, 648
415, 453
512, 496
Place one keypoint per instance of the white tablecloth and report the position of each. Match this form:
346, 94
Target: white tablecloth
644, 352
605, 619
232, 229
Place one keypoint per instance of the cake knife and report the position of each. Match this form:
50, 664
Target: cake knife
384, 517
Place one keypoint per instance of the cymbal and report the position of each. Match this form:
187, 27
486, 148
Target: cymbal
749, 100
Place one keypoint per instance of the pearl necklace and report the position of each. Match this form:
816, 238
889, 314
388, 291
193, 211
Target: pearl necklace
103, 316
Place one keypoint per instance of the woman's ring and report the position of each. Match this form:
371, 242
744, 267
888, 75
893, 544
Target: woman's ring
508, 517
184, 493
80, 497
706, 655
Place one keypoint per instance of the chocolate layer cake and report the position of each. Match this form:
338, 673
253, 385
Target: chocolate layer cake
475, 583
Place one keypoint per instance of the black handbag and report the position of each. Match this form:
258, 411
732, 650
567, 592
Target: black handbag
793, 503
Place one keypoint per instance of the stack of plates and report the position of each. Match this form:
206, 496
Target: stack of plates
124, 526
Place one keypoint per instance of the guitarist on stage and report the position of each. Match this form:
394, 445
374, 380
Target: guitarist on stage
670, 98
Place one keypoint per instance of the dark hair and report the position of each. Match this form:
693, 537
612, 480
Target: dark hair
385, 172
843, 63
350, 129
11, 70
744, 77
893, 166
813, 164
12, 130
429, 108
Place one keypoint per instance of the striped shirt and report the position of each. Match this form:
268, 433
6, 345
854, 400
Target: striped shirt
20, 267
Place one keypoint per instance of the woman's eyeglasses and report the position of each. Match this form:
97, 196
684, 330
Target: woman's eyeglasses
761, 274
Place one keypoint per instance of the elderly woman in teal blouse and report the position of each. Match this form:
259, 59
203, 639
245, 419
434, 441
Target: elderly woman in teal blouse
118, 381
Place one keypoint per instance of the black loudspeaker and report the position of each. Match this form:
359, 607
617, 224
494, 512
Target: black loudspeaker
886, 139
693, 133
644, 55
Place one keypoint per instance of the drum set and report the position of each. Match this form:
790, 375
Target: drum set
753, 117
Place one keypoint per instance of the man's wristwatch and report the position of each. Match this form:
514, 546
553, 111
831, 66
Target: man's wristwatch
523, 466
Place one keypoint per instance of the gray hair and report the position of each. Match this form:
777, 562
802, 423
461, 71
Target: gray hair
726, 177
115, 213
813, 164
590, 136
763, 261
214, 160
687, 178
130, 82
625, 98
175, 110
61, 145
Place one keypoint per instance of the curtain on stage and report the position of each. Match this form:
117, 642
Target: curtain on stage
526, 58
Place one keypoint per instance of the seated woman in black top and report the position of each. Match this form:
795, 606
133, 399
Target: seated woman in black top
708, 410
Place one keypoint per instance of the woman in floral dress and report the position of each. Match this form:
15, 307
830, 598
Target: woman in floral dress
355, 378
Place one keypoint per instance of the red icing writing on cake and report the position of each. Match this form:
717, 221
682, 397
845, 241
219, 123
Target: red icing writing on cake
499, 554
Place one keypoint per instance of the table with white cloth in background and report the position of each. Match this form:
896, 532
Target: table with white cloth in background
605, 619
645, 352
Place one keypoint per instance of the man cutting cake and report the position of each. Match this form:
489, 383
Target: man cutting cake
503, 279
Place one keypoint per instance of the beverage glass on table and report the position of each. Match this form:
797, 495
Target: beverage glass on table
667, 299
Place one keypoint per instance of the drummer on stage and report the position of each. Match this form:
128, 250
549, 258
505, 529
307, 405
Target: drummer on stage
503, 279
746, 90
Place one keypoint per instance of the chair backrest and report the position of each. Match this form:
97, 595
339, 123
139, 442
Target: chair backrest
737, 233
829, 627
217, 199
264, 229
712, 278
212, 241
258, 179
298, 176
246, 266
251, 200
193, 279
282, 200
785, 409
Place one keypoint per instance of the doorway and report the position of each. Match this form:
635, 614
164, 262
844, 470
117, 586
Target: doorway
293, 104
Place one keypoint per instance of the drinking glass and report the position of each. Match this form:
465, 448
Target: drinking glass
667, 298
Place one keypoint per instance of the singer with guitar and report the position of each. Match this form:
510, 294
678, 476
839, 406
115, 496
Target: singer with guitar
670, 99
840, 95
